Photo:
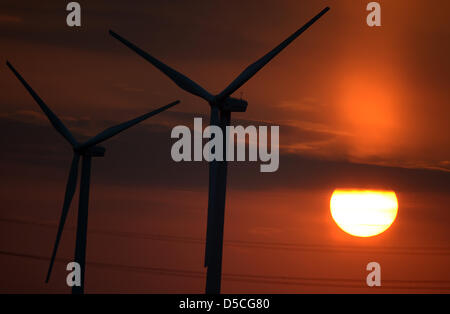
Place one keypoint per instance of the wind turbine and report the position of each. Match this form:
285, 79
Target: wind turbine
221, 107
85, 151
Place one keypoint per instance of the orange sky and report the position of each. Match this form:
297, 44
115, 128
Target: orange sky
367, 95
355, 106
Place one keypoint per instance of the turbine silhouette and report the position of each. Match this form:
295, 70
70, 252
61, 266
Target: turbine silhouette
221, 107
86, 151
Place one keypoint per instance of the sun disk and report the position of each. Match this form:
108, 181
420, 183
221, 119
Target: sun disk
363, 213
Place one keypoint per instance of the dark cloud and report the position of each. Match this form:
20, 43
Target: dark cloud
174, 28
141, 157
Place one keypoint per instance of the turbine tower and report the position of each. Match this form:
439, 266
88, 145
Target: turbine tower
85, 151
221, 107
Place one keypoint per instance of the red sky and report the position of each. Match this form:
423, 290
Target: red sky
357, 107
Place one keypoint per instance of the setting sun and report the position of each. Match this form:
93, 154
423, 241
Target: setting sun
363, 213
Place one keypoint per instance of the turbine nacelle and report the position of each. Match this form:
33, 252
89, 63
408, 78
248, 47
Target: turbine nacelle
234, 105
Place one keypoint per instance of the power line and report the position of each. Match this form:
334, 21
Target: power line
282, 280
396, 250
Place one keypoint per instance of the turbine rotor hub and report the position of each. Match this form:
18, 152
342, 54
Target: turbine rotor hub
93, 151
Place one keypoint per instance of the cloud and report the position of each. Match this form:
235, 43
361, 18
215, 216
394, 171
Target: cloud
27, 116
310, 104
10, 19
140, 156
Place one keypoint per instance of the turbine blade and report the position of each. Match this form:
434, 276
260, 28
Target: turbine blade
110, 132
54, 120
70, 190
252, 69
182, 81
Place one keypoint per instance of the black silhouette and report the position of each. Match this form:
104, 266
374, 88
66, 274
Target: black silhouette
86, 150
221, 107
